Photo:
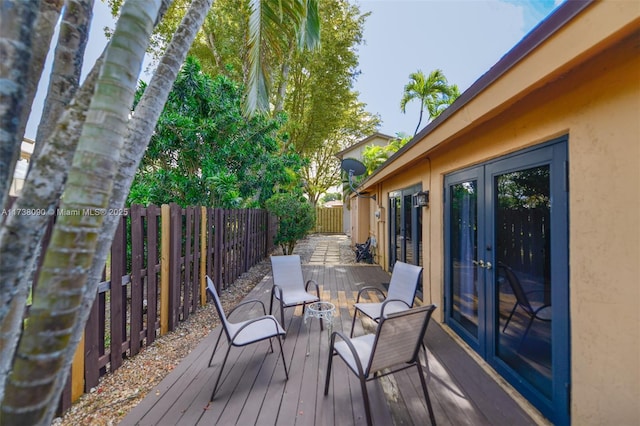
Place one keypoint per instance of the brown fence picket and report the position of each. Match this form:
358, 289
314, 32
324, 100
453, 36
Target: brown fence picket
136, 285
195, 260
153, 268
211, 226
118, 303
218, 248
175, 257
187, 293
92, 347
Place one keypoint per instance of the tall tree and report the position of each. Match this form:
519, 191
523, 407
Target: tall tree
62, 298
324, 111
432, 91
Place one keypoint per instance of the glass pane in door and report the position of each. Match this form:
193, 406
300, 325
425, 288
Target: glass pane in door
523, 286
397, 205
408, 230
463, 255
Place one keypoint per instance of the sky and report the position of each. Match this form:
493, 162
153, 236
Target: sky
463, 38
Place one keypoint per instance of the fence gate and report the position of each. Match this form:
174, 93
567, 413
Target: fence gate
328, 220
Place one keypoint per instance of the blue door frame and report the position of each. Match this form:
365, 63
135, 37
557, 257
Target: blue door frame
474, 313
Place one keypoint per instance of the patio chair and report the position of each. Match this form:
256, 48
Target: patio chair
394, 347
539, 311
289, 288
402, 290
245, 332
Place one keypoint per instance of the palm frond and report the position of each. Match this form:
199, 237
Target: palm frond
268, 21
257, 90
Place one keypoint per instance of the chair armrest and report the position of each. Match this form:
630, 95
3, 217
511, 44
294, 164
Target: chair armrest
351, 348
276, 289
389, 301
246, 302
369, 288
251, 321
306, 286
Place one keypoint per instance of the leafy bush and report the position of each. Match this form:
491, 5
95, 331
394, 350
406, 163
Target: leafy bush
296, 218
205, 152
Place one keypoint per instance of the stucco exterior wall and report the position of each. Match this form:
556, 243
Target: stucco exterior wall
599, 112
596, 102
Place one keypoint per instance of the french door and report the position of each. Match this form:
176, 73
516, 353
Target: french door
506, 270
405, 228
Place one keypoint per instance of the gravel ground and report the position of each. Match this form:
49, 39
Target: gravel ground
119, 392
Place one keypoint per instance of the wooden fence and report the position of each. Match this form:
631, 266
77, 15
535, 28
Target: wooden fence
155, 279
328, 220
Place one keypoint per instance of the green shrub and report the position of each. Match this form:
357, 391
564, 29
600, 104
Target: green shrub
296, 217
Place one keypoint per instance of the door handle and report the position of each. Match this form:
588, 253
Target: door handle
482, 264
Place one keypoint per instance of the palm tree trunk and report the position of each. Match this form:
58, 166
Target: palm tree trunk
67, 67
47, 20
30, 387
140, 130
21, 234
419, 118
17, 22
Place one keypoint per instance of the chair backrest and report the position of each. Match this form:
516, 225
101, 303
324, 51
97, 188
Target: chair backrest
398, 338
211, 288
516, 287
404, 282
287, 272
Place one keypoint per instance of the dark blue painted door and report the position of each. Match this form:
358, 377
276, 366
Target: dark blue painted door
506, 270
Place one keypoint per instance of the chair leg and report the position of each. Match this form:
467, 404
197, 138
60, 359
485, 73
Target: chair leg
329, 363
365, 396
215, 347
426, 360
509, 319
353, 322
215, 388
319, 319
284, 363
282, 317
426, 392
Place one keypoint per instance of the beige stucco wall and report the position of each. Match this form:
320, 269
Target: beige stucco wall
595, 99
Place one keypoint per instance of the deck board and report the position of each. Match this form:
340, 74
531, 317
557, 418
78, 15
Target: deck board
253, 389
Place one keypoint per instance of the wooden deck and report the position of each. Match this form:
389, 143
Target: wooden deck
253, 389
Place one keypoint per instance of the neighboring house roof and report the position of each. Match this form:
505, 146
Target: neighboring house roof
553, 24
364, 142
